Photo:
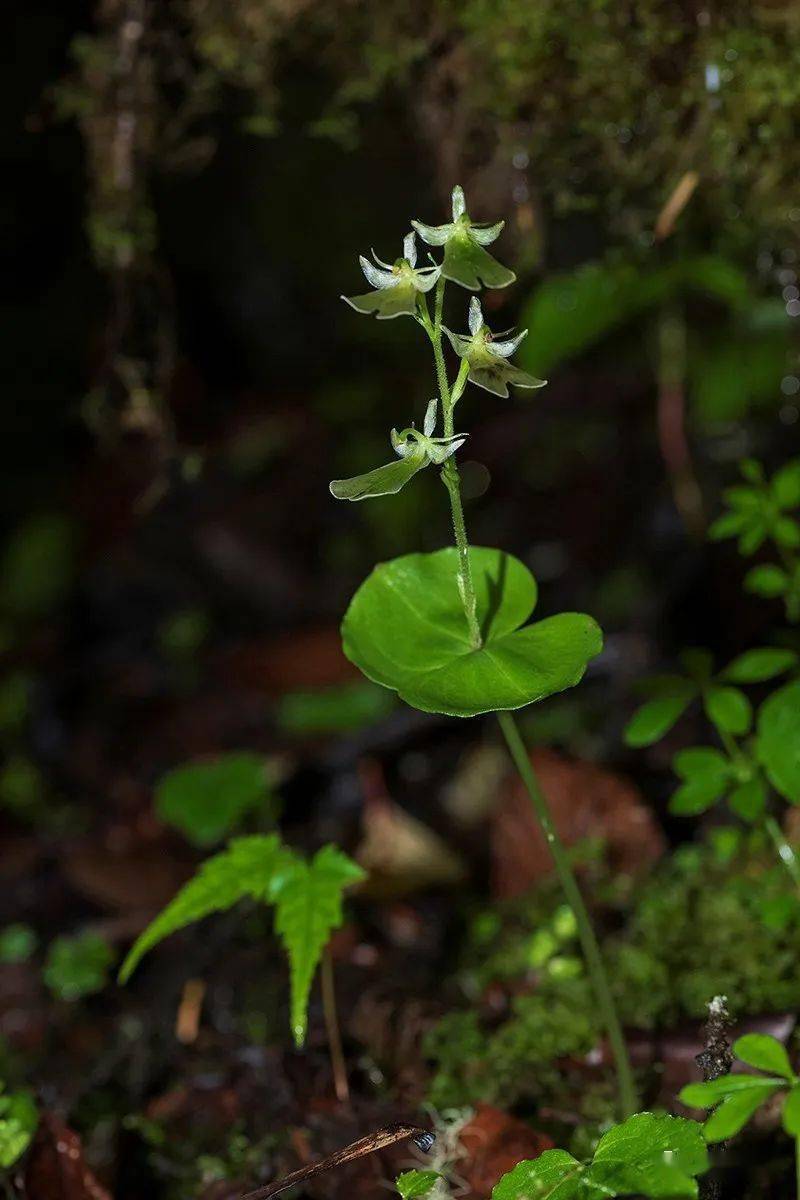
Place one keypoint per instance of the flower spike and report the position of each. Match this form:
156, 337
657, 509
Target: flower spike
465, 260
396, 286
487, 358
415, 450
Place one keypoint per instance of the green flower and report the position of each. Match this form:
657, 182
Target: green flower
488, 359
465, 260
396, 286
415, 450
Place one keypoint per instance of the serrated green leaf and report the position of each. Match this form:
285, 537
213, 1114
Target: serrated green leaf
764, 1052
728, 709
767, 580
554, 1175
756, 666
734, 1112
413, 1184
18, 1120
206, 800
308, 907
778, 741
657, 716
650, 1155
749, 800
790, 1117
405, 628
244, 869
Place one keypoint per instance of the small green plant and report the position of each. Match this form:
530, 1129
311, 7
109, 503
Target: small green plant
207, 800
735, 1098
77, 966
306, 897
754, 756
760, 511
448, 631
18, 1120
17, 943
648, 1155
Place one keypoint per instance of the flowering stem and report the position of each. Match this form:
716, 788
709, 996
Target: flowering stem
591, 949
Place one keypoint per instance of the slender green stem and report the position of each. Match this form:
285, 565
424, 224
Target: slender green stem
591, 950
783, 849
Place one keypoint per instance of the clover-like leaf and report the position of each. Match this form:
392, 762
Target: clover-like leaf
415, 450
405, 628
19, 1117
706, 774
778, 740
767, 580
749, 799
466, 262
487, 356
396, 286
728, 709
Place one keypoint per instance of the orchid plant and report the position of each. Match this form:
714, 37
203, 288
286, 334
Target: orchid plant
448, 631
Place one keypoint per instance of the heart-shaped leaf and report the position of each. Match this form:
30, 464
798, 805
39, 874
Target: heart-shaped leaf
405, 628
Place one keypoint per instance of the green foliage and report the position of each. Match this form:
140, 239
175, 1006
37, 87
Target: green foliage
764, 510
708, 774
18, 1120
17, 943
413, 1184
735, 1098
648, 1155
308, 907
778, 746
405, 629
718, 915
78, 966
307, 897
37, 566
207, 800
334, 710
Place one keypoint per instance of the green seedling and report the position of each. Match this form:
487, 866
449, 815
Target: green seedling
207, 800
306, 897
735, 1098
18, 1120
767, 511
449, 631
77, 966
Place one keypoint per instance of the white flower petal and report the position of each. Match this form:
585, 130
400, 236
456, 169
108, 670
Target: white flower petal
410, 249
378, 278
434, 235
484, 235
430, 418
475, 315
459, 203
507, 348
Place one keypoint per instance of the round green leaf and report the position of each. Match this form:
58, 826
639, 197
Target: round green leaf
779, 740
756, 666
728, 709
765, 1053
785, 486
405, 628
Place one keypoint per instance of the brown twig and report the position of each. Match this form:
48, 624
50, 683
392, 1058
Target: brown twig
387, 1136
338, 1063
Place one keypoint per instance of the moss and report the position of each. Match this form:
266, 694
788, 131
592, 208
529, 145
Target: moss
704, 923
